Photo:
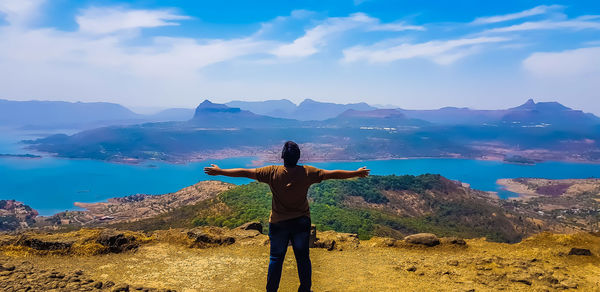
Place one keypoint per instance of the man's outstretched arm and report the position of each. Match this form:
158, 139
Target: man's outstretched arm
233, 172
343, 174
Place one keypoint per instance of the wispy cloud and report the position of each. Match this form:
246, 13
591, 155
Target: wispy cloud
100, 20
569, 63
441, 52
538, 10
317, 36
398, 26
580, 23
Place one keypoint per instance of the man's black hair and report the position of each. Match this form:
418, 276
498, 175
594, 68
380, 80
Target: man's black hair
290, 154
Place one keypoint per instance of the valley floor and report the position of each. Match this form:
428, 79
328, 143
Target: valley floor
540, 263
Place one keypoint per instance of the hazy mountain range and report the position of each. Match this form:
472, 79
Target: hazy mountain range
527, 133
78, 115
307, 110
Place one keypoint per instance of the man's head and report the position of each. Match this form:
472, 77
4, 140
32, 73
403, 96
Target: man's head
290, 153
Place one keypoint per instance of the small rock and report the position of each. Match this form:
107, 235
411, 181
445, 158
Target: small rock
568, 284
550, 279
57, 275
109, 284
328, 244
426, 239
98, 285
120, 288
412, 269
453, 263
7, 267
521, 280
580, 251
454, 240
255, 225
313, 236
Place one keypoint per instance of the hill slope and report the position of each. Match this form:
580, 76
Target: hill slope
391, 206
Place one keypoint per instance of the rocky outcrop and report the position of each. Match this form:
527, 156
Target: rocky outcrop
137, 207
209, 237
117, 242
81, 242
15, 215
580, 251
44, 244
332, 240
426, 239
255, 225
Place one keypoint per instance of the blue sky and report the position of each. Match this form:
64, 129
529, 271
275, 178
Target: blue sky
411, 54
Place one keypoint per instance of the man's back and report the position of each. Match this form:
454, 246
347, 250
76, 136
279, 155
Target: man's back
289, 186
290, 215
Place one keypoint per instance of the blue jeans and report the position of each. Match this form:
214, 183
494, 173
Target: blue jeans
297, 231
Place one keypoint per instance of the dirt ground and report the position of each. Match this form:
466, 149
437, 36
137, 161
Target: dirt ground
540, 263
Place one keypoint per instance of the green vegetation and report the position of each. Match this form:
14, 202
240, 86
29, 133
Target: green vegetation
452, 215
251, 202
451, 211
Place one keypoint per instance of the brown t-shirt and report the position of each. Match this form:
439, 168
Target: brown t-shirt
289, 187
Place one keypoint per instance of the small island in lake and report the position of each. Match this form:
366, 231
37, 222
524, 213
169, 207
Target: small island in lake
19, 156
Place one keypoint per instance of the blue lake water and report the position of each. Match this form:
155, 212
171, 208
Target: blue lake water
51, 185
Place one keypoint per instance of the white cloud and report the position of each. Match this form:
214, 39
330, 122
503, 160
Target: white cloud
19, 12
441, 52
399, 26
574, 24
578, 62
94, 47
538, 10
101, 20
309, 43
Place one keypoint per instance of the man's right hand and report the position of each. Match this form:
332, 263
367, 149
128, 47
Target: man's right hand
363, 171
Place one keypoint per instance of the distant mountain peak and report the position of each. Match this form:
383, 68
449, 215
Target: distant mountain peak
308, 101
208, 104
530, 104
209, 107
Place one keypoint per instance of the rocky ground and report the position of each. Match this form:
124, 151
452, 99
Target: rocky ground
135, 207
220, 259
564, 205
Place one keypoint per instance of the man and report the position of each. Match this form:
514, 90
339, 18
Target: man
290, 215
